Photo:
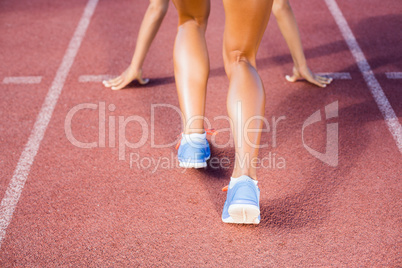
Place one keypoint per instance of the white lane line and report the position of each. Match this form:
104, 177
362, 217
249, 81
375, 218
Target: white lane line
101, 77
95, 78
337, 75
21, 172
394, 75
382, 102
22, 80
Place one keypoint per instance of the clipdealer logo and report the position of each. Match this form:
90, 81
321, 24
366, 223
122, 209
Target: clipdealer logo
109, 124
330, 156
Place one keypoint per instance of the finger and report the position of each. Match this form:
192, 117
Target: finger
106, 83
117, 81
143, 81
291, 79
123, 83
111, 82
323, 79
326, 80
118, 87
315, 81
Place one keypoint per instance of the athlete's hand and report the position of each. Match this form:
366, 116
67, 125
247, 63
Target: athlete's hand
307, 74
125, 78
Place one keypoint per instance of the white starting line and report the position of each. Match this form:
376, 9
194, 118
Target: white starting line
342, 76
334, 75
90, 78
95, 78
22, 80
394, 75
101, 77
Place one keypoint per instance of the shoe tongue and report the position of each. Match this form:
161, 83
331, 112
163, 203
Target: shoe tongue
233, 181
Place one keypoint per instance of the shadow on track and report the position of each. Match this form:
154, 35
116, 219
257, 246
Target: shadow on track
309, 207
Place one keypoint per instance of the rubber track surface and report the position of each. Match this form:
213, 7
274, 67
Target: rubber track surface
85, 207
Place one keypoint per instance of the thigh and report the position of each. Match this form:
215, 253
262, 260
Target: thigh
245, 25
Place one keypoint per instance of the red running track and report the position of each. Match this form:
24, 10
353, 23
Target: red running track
85, 207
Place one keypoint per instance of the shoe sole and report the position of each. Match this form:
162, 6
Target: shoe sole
193, 165
243, 214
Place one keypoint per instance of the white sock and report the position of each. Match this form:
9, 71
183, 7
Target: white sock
233, 181
194, 137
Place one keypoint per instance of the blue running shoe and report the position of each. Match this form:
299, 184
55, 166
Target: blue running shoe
242, 202
194, 152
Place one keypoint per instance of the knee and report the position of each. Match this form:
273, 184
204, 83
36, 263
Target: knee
237, 60
280, 6
159, 7
195, 12
200, 21
238, 57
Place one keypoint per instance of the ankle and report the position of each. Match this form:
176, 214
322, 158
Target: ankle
194, 138
192, 131
248, 173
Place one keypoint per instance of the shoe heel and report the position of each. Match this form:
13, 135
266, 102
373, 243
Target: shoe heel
192, 165
246, 214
